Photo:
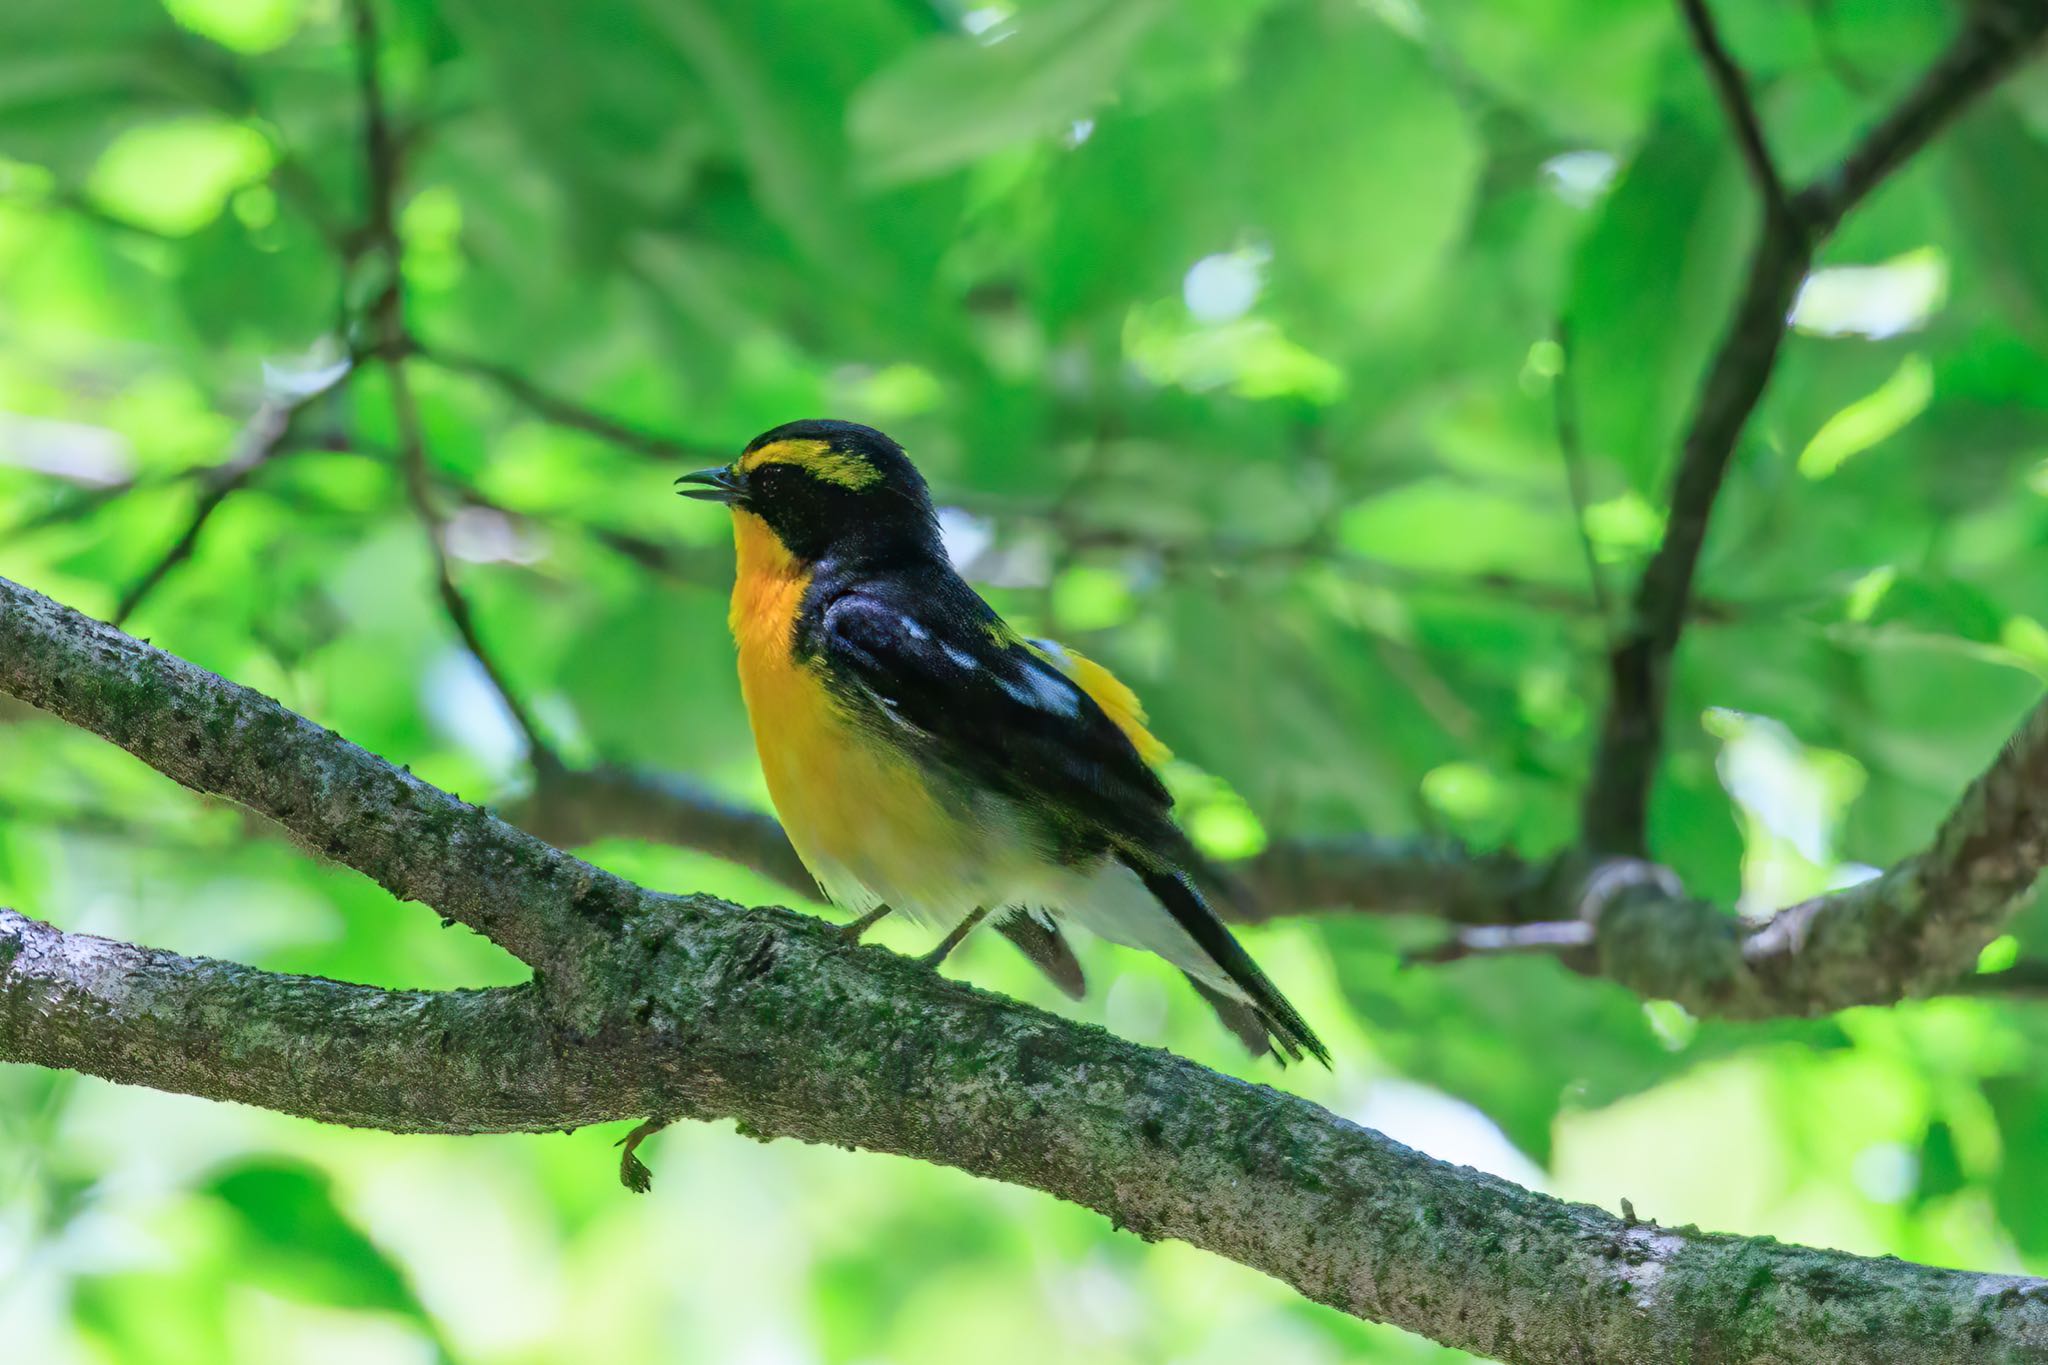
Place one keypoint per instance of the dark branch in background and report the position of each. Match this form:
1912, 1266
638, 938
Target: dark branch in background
696, 566
566, 412
267, 436
1915, 931
1998, 36
1292, 877
381, 170
1994, 39
413, 458
571, 808
379, 230
1733, 92
1218, 553
690, 1007
2027, 978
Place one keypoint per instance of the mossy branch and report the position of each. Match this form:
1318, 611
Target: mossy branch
686, 1006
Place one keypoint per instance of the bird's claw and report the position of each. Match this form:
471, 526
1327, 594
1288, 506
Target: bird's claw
634, 1173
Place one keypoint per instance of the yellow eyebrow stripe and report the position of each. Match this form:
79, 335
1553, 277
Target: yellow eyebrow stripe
816, 458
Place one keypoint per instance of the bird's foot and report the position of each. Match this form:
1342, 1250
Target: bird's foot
853, 930
633, 1172
952, 939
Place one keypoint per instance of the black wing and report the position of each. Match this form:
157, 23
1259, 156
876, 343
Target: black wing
979, 702
984, 705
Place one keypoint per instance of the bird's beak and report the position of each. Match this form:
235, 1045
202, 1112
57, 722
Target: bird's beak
720, 485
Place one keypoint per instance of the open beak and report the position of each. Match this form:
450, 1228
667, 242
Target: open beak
719, 485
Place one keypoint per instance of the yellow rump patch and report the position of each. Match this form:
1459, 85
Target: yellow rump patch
1107, 691
816, 458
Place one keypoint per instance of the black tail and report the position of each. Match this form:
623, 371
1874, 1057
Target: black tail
1276, 1019
1244, 1021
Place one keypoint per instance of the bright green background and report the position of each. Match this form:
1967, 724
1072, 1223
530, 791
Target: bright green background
1307, 495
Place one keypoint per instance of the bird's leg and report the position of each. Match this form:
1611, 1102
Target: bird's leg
633, 1172
852, 931
952, 939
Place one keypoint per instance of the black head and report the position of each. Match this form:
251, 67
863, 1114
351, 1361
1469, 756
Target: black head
825, 485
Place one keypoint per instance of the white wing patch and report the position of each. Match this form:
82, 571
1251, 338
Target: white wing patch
1046, 692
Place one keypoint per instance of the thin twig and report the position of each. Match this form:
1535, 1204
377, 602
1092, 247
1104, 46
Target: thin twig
1733, 92
2026, 980
566, 412
453, 604
1557, 937
1998, 36
264, 438
380, 150
381, 171
1223, 552
1565, 414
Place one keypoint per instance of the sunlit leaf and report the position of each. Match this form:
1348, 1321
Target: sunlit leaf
955, 98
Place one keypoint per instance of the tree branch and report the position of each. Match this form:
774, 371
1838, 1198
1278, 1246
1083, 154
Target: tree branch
564, 412
693, 1008
1291, 877
575, 807
1996, 37
404, 1061
333, 799
266, 436
1916, 930
1733, 92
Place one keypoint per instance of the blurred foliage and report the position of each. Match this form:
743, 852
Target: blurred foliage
1246, 345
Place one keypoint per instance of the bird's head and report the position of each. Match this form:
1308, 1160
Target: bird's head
822, 486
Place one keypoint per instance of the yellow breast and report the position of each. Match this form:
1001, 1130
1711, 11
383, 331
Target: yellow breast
859, 813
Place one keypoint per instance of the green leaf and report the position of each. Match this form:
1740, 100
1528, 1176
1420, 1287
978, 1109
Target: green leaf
1871, 419
2020, 1105
1359, 207
73, 76
1651, 293
1097, 256
1589, 69
954, 99
622, 123
1998, 179
301, 1242
1496, 532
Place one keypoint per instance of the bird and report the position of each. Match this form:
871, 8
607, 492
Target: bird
928, 760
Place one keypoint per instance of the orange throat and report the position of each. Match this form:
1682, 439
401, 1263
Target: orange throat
768, 592
859, 815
